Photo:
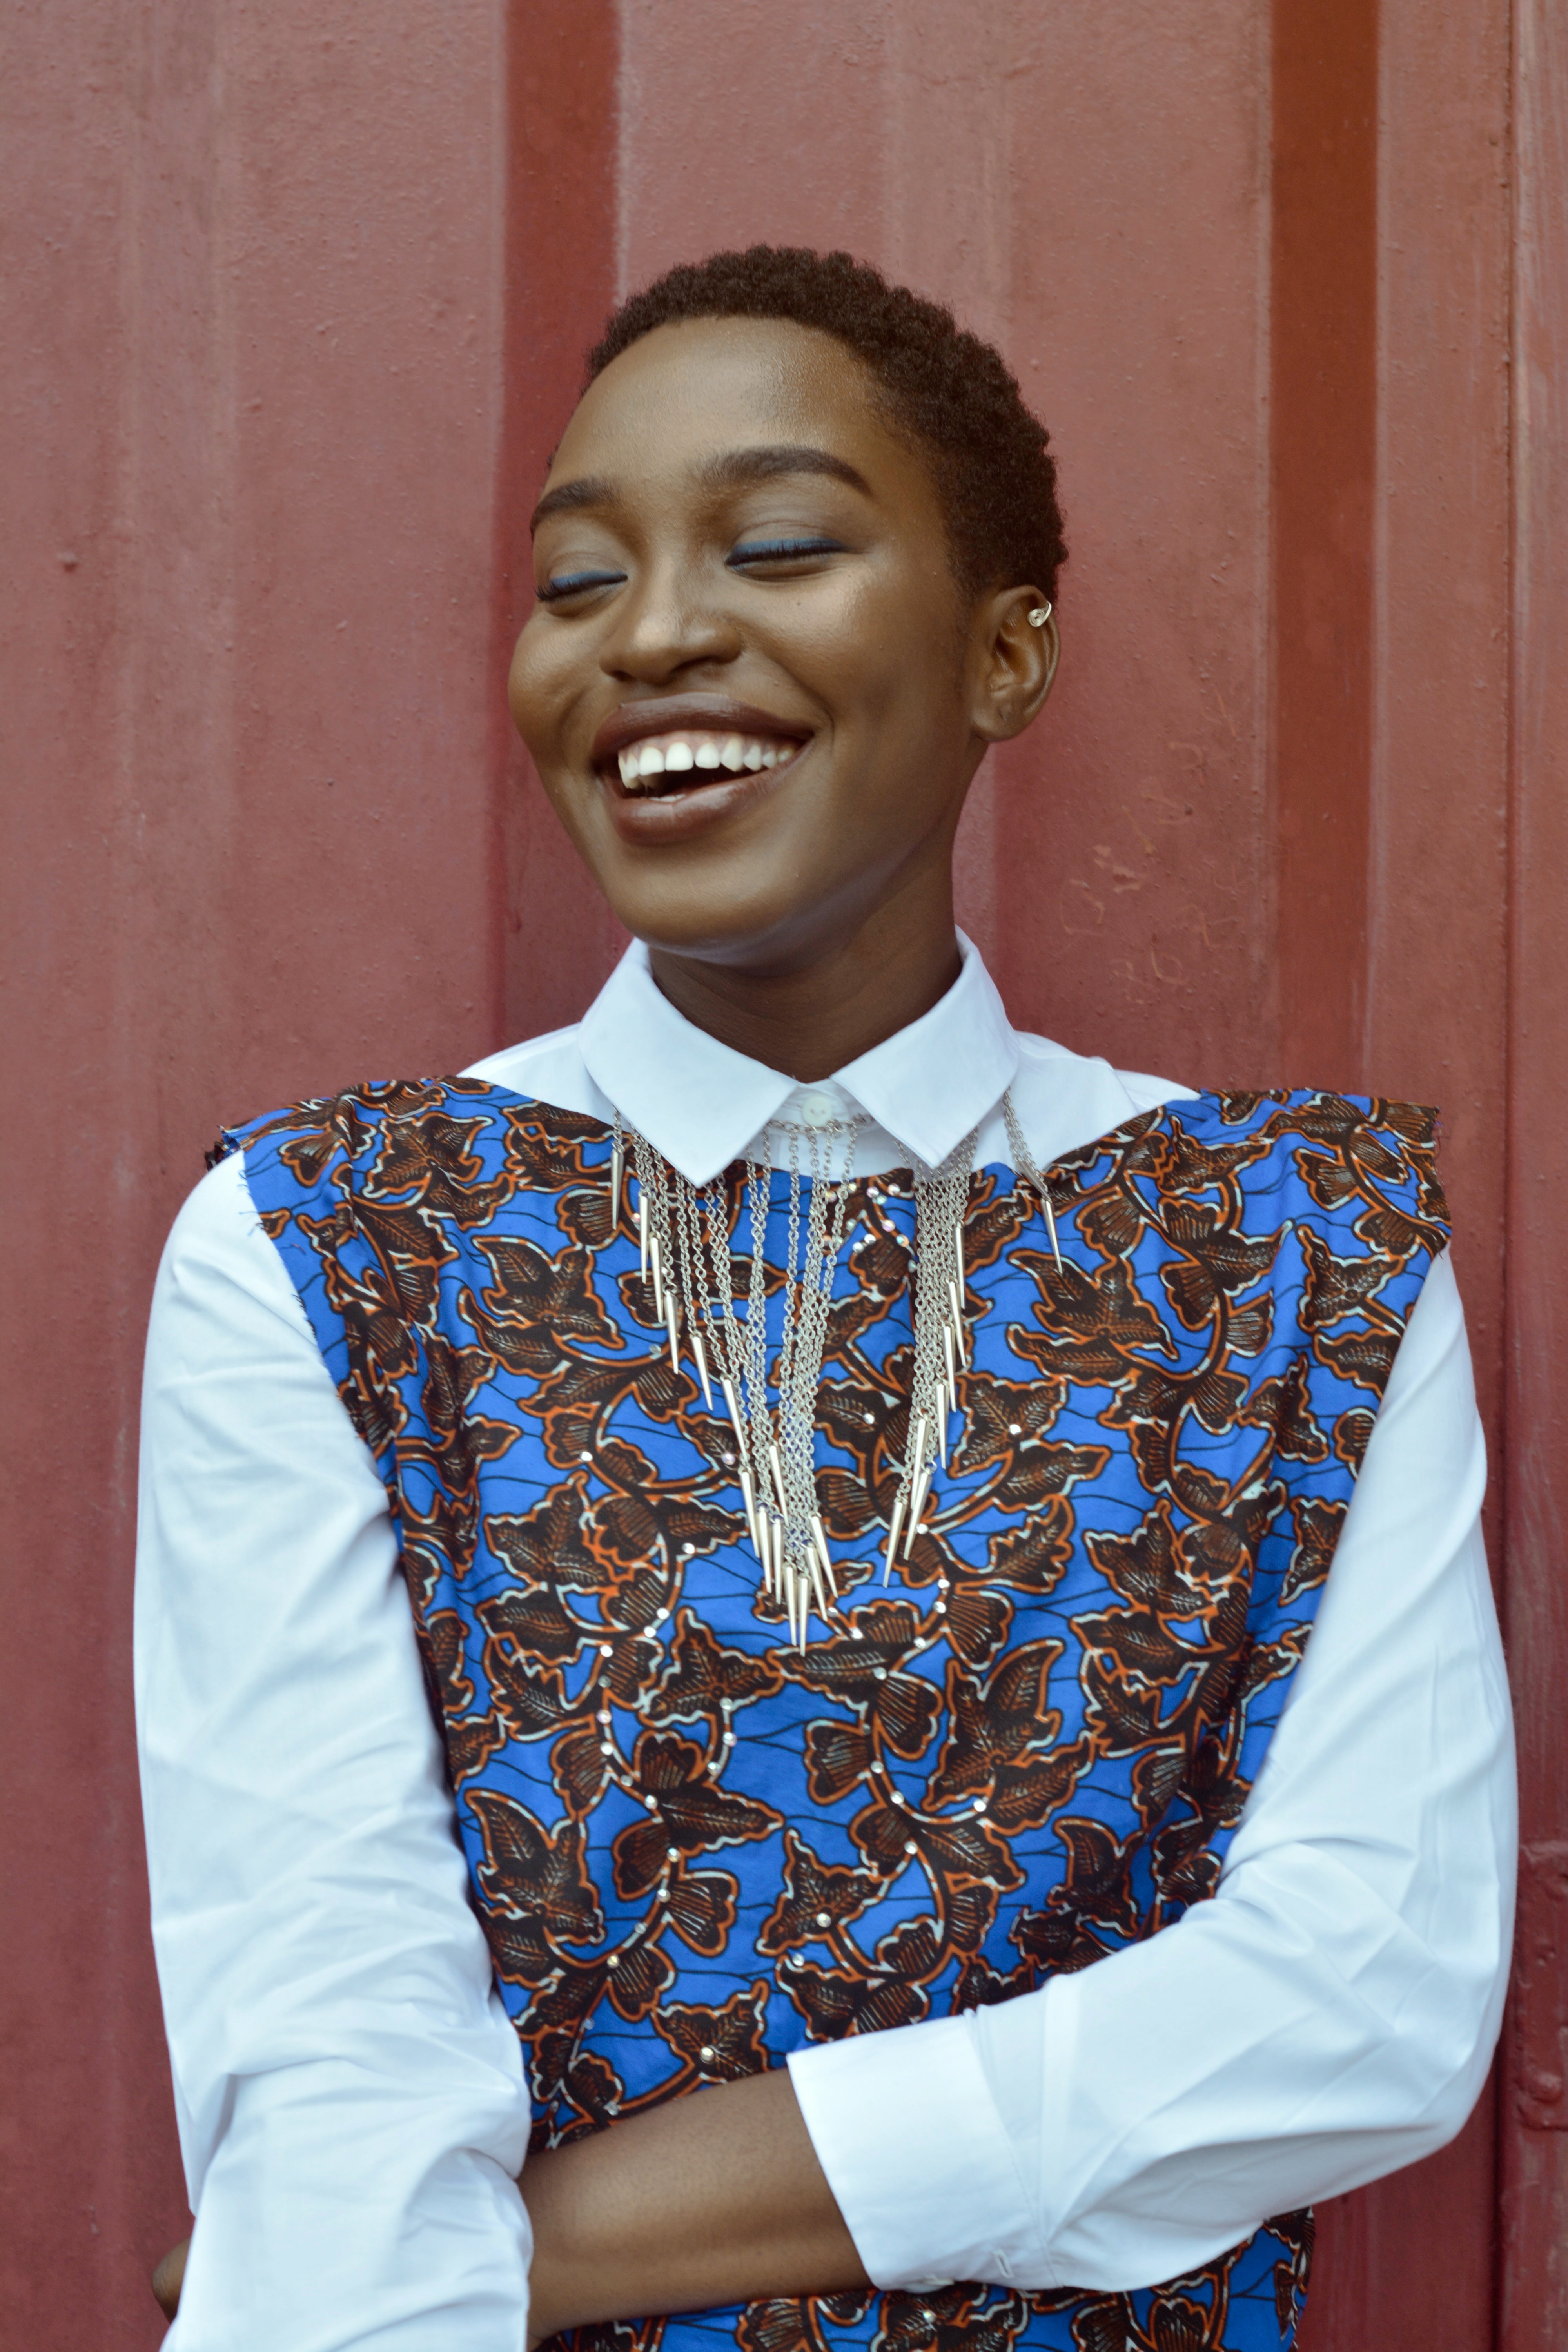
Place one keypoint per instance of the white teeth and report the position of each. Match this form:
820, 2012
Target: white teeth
677, 754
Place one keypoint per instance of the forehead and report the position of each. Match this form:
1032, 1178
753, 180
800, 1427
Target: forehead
699, 388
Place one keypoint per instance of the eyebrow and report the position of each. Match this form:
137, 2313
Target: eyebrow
733, 471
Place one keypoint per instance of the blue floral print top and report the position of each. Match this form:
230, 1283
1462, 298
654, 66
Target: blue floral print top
695, 1847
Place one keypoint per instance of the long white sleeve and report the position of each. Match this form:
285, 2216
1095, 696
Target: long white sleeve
1330, 2016
351, 2097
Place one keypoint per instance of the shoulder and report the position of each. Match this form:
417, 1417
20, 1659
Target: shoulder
314, 1145
310, 1141
442, 1149
546, 1069
1312, 1123
1066, 1101
219, 1270
1359, 1167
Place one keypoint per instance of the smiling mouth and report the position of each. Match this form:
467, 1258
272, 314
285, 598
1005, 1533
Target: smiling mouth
687, 758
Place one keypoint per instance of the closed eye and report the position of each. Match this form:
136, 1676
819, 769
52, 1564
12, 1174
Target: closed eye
781, 551
576, 584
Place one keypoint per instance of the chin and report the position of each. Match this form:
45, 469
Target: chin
712, 924
717, 934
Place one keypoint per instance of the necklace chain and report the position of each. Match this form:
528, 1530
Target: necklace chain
684, 1241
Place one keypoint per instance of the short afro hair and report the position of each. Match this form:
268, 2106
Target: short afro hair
954, 394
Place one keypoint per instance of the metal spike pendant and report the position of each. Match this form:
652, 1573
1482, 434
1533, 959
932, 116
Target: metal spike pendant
1024, 1164
700, 1354
768, 1385
895, 1519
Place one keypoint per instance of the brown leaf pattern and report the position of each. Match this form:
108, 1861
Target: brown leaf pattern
694, 1848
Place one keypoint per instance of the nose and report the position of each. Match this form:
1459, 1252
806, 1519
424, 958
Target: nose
667, 620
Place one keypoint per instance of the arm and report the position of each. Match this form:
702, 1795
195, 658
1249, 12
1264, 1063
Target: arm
1328, 2016
717, 2197
350, 2095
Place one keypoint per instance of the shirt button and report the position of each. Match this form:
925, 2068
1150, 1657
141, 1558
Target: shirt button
816, 1109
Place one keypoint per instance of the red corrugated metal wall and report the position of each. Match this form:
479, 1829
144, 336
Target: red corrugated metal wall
293, 302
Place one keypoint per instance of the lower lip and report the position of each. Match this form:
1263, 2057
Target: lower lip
648, 819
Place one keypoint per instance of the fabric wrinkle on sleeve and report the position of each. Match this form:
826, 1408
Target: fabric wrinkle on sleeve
349, 2092
1326, 2018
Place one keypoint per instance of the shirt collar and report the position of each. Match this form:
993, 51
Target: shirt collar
701, 1103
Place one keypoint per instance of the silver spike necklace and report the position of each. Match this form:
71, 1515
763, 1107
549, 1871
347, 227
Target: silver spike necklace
683, 1239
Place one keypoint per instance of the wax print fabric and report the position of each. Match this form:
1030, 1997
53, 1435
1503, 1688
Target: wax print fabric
695, 1847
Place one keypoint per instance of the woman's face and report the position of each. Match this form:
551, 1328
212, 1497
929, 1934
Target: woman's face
752, 687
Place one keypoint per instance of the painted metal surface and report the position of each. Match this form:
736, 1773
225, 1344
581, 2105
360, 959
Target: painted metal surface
294, 309
1533, 2304
273, 288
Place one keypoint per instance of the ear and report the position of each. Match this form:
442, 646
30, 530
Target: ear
1013, 662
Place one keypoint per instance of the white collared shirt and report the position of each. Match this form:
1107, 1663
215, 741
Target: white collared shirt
351, 2095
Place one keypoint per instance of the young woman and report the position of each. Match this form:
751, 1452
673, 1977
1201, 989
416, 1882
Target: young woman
795, 1544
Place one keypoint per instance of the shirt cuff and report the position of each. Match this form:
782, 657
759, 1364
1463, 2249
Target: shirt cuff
905, 2127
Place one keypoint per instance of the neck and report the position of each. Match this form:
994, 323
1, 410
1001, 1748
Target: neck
811, 1018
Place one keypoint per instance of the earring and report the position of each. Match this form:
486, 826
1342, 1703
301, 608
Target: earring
1039, 615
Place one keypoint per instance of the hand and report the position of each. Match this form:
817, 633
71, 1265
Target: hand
170, 2276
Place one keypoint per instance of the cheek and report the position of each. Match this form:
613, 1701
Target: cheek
537, 691
520, 686
863, 658
894, 643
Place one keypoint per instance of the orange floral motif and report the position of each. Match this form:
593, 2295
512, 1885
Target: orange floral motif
695, 1848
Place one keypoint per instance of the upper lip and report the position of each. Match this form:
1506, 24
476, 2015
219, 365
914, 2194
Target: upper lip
695, 714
